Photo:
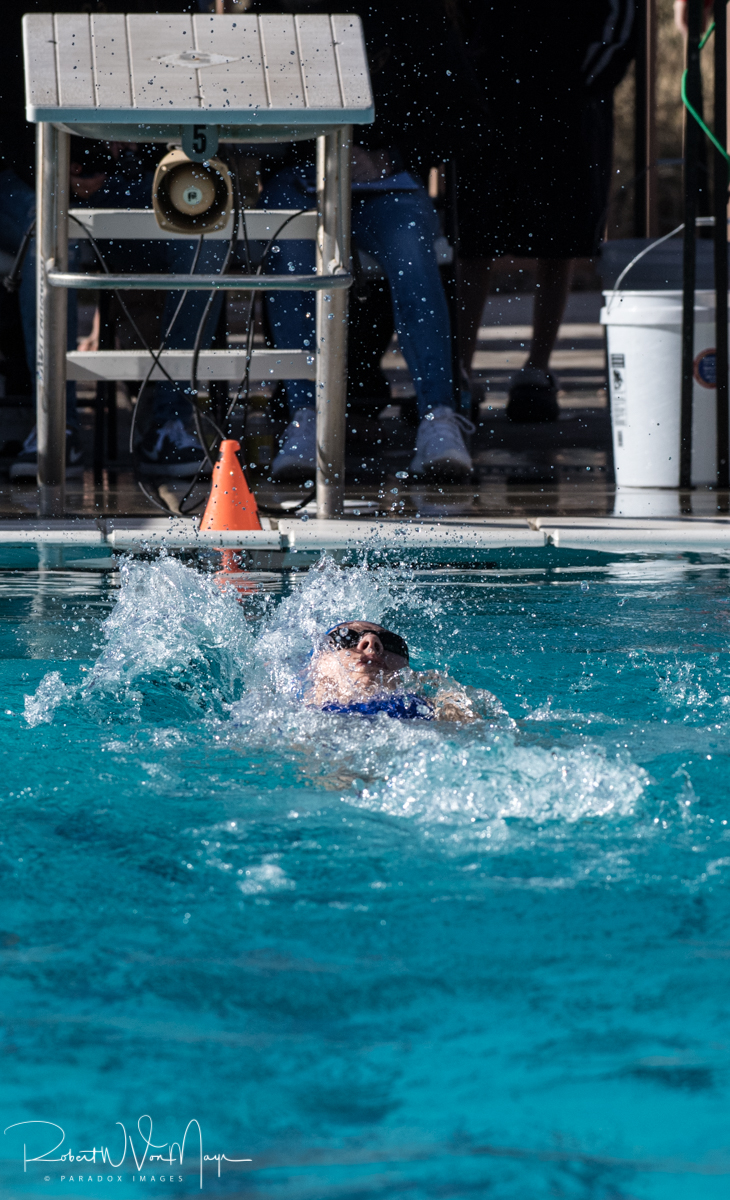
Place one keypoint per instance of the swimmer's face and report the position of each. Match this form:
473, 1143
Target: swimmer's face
364, 664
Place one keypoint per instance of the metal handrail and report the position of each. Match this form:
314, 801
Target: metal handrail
199, 283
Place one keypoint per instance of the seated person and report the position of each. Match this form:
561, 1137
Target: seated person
394, 220
363, 669
426, 104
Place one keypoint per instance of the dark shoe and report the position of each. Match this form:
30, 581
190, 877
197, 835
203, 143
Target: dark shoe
26, 464
170, 450
296, 462
533, 397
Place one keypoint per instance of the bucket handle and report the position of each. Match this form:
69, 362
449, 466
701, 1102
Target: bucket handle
635, 259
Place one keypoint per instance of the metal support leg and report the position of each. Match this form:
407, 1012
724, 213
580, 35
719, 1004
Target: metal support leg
645, 187
333, 256
692, 137
721, 272
52, 252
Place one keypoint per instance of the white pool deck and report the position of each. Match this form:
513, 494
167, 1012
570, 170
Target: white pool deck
291, 536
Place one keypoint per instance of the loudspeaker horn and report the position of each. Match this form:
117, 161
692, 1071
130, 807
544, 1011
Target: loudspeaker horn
190, 197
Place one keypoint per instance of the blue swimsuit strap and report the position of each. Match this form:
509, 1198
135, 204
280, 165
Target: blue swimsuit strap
403, 706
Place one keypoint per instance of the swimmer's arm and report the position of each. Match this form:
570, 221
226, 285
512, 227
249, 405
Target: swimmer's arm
453, 706
447, 698
451, 701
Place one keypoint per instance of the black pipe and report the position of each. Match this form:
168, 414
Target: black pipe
640, 115
721, 269
692, 135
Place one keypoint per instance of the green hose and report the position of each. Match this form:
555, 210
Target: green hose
699, 120
693, 111
707, 36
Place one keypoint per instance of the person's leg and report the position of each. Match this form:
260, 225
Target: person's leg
551, 293
291, 315
17, 210
533, 391
399, 229
474, 278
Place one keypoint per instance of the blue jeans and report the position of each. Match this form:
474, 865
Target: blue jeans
398, 229
17, 210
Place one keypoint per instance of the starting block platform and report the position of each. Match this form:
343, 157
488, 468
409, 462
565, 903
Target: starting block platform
195, 81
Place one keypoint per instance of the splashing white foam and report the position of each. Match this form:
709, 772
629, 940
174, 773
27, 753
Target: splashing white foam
486, 776
267, 877
682, 686
169, 617
51, 691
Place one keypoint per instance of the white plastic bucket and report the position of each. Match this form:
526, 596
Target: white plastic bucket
644, 372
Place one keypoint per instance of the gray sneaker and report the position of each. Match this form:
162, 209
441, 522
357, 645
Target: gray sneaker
441, 454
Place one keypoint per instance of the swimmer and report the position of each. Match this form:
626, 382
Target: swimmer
364, 668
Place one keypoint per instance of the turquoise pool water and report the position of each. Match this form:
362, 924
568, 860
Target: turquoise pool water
380, 959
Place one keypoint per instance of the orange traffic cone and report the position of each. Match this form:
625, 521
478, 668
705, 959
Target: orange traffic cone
231, 504
232, 576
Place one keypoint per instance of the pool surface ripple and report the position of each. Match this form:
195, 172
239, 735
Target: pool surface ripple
380, 959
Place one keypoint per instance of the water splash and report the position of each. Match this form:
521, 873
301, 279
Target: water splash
244, 666
267, 877
682, 686
492, 776
168, 617
50, 693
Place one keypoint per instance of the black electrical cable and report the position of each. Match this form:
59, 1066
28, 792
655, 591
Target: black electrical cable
120, 300
10, 281
198, 414
145, 382
249, 328
244, 386
156, 358
243, 390
242, 393
155, 355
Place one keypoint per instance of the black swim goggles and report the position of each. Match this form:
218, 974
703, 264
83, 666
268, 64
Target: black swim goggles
344, 638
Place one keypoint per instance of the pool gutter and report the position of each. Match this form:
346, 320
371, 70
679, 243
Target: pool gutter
614, 535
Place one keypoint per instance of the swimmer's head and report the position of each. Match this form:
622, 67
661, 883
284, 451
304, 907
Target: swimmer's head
356, 657
368, 638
